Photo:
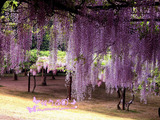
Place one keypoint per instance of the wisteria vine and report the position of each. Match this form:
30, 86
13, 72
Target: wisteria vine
130, 35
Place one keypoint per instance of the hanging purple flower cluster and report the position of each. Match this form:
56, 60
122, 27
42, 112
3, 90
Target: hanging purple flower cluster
130, 35
16, 39
134, 48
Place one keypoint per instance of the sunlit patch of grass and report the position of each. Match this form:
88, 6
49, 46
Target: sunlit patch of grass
16, 108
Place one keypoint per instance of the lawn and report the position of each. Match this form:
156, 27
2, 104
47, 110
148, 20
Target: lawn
14, 100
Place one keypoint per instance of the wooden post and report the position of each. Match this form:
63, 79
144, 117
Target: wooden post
70, 86
123, 98
29, 77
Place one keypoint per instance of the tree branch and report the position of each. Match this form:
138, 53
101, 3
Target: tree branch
122, 5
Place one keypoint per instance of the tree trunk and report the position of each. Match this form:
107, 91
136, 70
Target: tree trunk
29, 77
122, 95
70, 86
130, 102
25, 72
157, 88
57, 73
44, 78
34, 84
119, 92
123, 98
53, 76
15, 75
42, 72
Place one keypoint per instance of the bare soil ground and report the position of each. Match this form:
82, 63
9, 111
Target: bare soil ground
14, 99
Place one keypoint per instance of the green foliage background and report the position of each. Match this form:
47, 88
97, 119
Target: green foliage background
33, 55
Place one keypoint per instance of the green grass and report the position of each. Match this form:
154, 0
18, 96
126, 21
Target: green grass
15, 107
134, 111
